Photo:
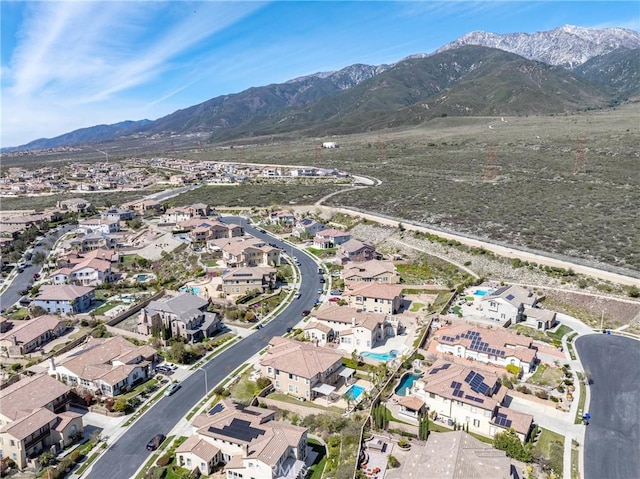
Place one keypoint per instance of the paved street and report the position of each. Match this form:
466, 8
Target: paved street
24, 280
128, 453
612, 441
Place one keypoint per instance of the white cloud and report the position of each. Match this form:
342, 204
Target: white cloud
71, 54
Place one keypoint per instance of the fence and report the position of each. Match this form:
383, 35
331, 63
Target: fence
133, 310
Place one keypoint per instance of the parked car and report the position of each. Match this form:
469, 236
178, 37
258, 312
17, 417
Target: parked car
336, 274
171, 389
36, 276
24, 292
320, 291
298, 296
306, 312
333, 299
322, 280
155, 442
289, 329
335, 292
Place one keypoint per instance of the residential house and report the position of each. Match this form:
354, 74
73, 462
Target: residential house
245, 252
373, 271
98, 225
496, 346
92, 241
307, 227
34, 417
145, 207
330, 238
376, 297
355, 250
319, 333
506, 304
118, 214
200, 209
469, 396
25, 336
300, 369
90, 272
74, 257
536, 318
184, 315
285, 218
176, 215
354, 329
109, 365
239, 281
248, 441
75, 205
456, 454
64, 299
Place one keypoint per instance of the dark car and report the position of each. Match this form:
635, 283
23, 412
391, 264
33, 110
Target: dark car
24, 292
289, 329
306, 312
322, 280
36, 276
155, 442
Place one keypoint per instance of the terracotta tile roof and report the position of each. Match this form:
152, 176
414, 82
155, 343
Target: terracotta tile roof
28, 394
199, 448
62, 292
25, 426
374, 290
346, 315
445, 377
301, 359
27, 331
411, 402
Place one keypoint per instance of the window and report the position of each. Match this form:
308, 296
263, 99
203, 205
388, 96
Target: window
476, 422
474, 409
432, 395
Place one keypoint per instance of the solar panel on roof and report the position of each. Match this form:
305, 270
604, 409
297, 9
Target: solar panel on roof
458, 393
216, 409
445, 366
238, 429
510, 297
469, 376
456, 385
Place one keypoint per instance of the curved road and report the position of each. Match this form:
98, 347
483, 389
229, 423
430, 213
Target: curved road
129, 452
612, 441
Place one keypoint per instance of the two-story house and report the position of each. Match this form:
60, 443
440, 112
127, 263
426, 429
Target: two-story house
355, 330
239, 281
245, 252
25, 336
34, 417
184, 315
506, 304
90, 272
355, 250
297, 368
64, 298
469, 396
375, 297
330, 238
109, 365
307, 227
496, 346
373, 271
248, 441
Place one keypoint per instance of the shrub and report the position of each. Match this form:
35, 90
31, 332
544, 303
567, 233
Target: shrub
164, 460
392, 461
513, 369
542, 394
263, 383
524, 390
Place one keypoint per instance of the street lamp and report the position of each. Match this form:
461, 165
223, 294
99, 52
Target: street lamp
206, 387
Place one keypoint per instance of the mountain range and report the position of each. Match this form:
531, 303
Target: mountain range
481, 73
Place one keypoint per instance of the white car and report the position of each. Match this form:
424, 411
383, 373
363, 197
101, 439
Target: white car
171, 389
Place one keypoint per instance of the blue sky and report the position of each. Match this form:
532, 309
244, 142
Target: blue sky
69, 65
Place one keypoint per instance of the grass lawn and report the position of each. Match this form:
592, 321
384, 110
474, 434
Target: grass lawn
581, 401
82, 332
551, 445
559, 332
292, 400
415, 307
546, 376
141, 387
18, 315
575, 457
322, 253
317, 468
131, 258
106, 307
244, 390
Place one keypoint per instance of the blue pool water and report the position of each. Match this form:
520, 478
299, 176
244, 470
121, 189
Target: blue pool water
482, 292
141, 278
354, 392
405, 383
192, 290
381, 356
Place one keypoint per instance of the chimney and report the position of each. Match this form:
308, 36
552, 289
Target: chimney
353, 322
52, 364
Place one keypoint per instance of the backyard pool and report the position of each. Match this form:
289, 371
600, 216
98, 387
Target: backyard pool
354, 392
381, 356
406, 382
190, 289
482, 292
141, 278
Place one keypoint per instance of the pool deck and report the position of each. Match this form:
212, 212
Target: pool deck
340, 392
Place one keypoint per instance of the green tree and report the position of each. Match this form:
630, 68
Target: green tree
121, 404
178, 352
423, 427
509, 442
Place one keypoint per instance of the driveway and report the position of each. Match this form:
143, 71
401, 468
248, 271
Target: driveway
612, 440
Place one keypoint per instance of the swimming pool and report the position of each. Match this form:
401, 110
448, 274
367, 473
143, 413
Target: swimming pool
190, 289
354, 392
406, 382
141, 278
482, 292
381, 356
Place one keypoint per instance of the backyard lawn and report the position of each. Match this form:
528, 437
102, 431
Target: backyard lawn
551, 446
546, 376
